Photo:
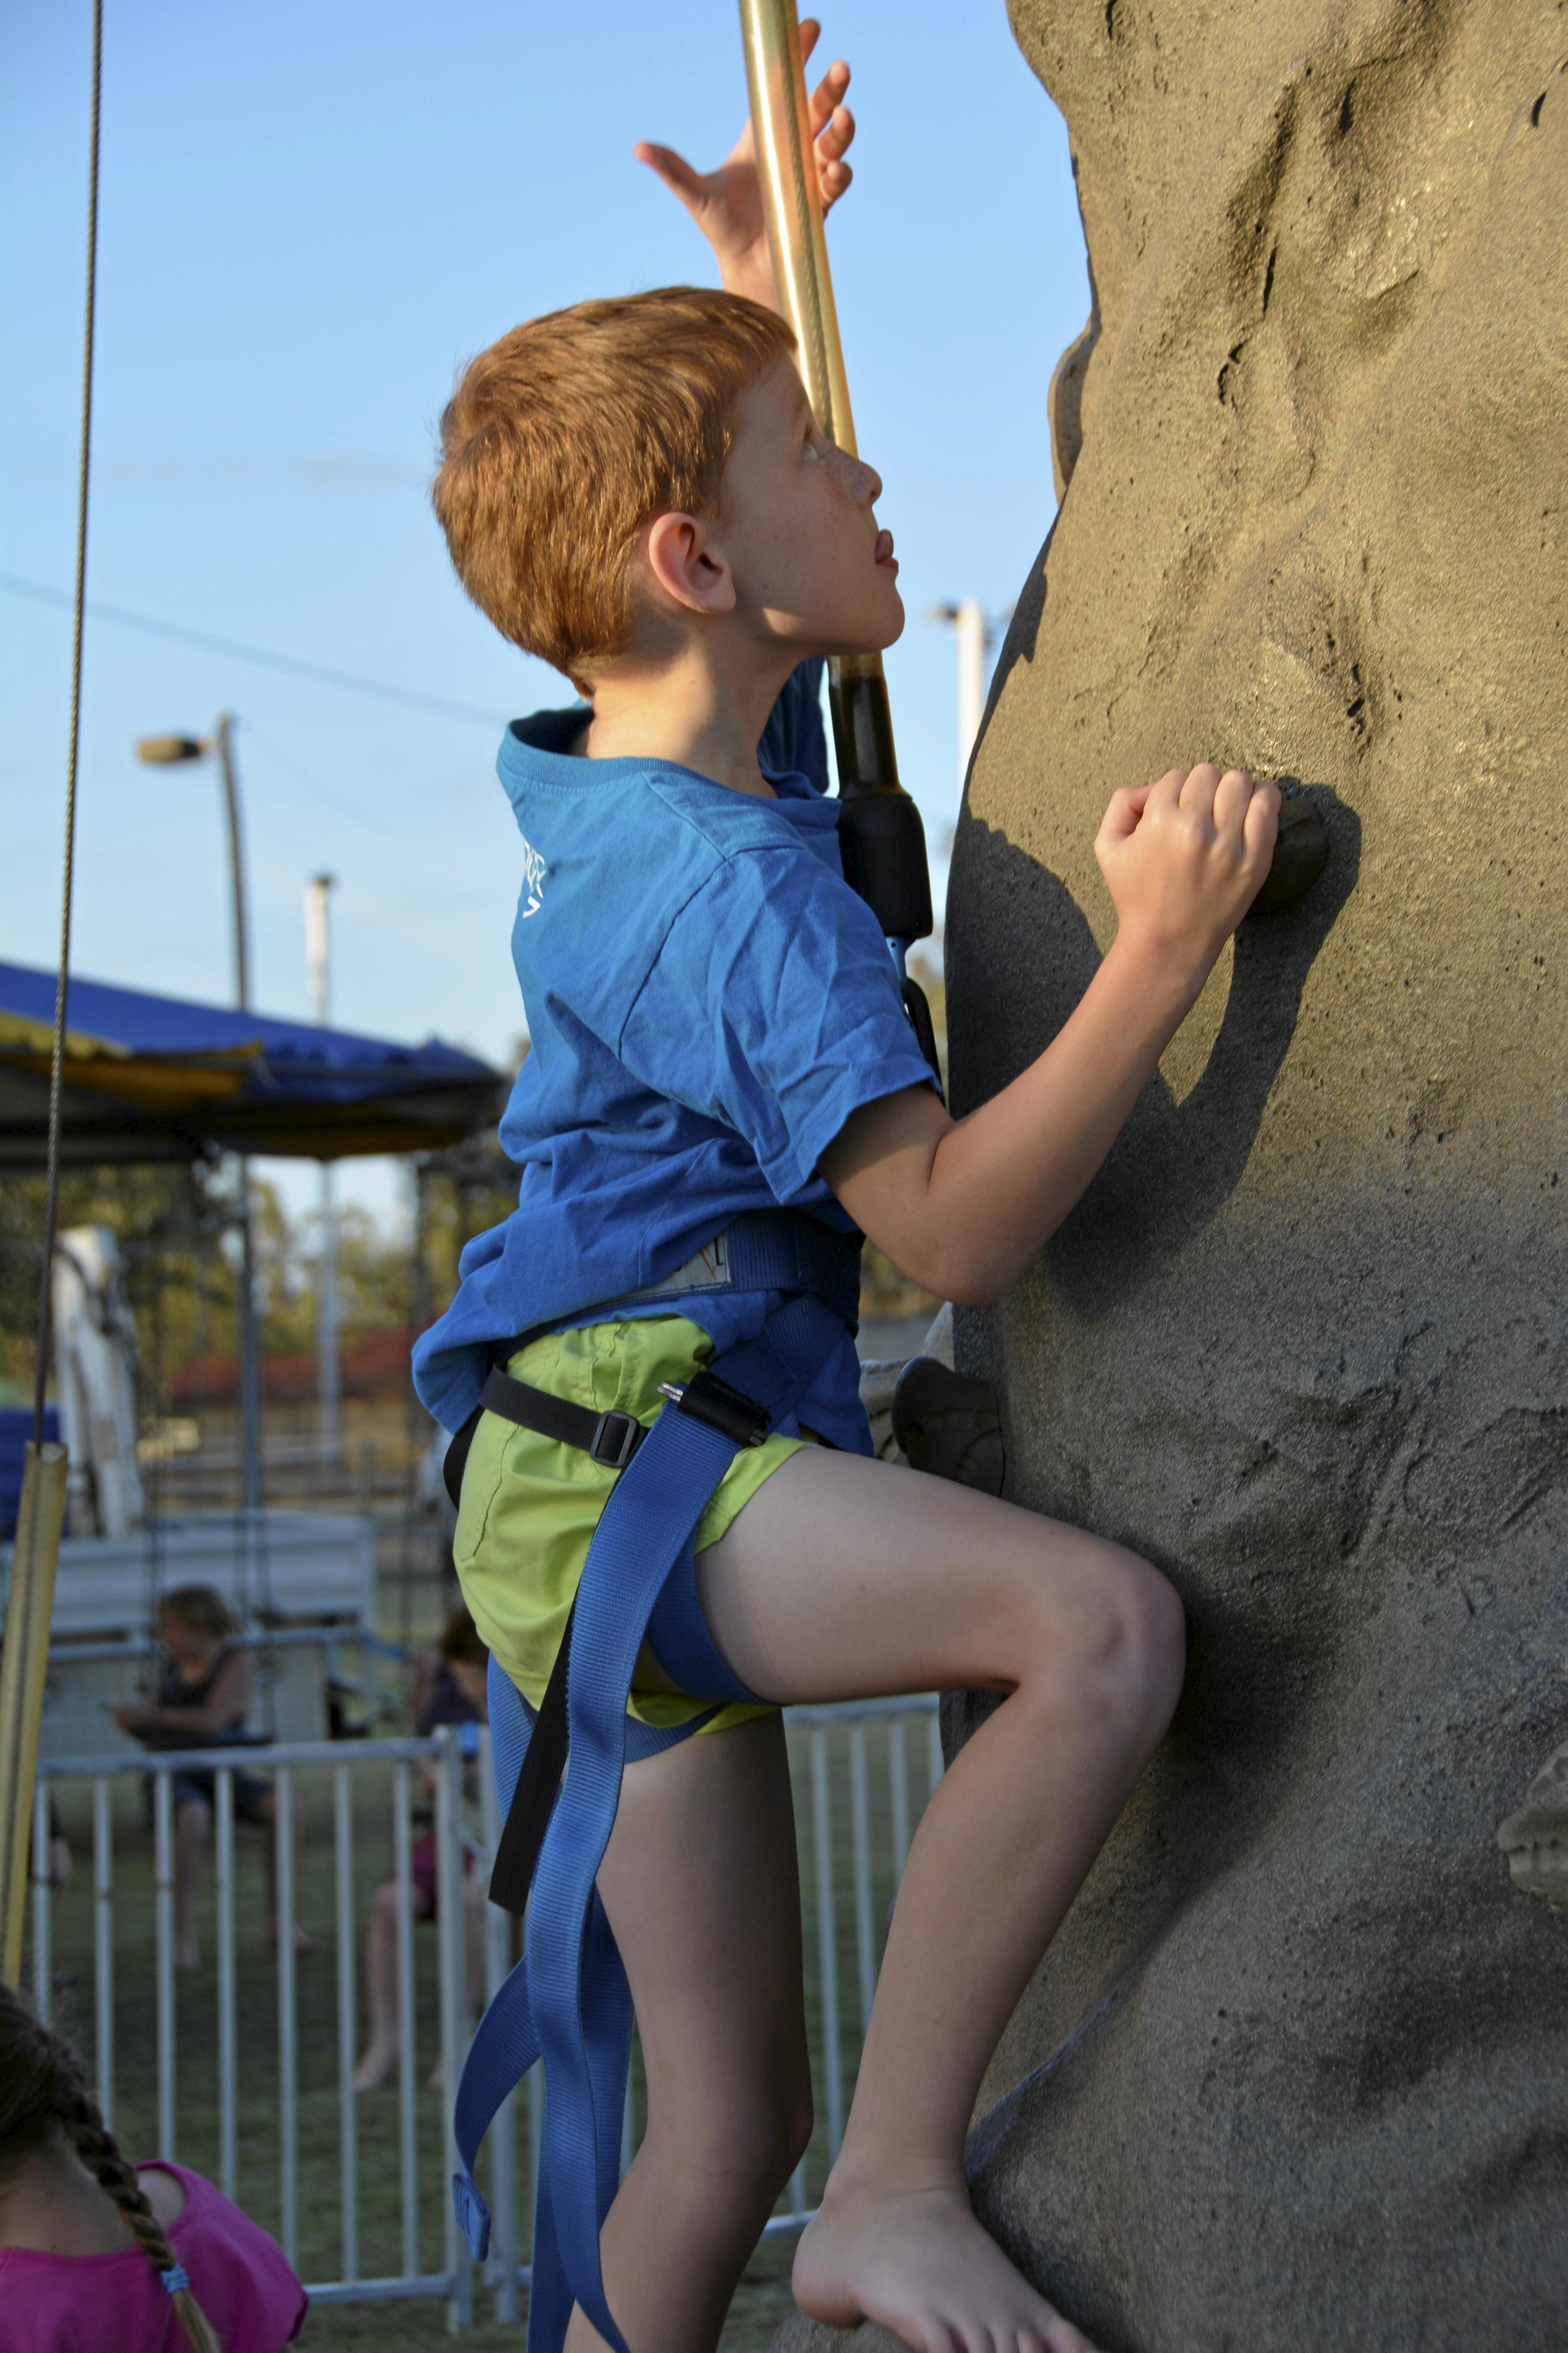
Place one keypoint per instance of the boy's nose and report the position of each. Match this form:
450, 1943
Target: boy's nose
869, 489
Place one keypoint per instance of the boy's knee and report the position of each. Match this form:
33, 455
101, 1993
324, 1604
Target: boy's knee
1159, 1630
1145, 1652
750, 2137
1130, 1642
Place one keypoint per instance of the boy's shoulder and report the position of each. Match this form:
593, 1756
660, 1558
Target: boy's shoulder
623, 847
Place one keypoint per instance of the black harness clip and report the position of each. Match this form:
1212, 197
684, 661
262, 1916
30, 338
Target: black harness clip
707, 1398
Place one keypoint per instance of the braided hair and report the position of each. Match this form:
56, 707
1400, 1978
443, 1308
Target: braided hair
43, 2092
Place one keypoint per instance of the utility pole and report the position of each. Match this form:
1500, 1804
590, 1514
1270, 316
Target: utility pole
972, 634
329, 1358
169, 752
249, 1330
223, 745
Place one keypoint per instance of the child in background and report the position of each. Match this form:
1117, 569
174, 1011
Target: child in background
98, 2253
449, 1688
202, 1698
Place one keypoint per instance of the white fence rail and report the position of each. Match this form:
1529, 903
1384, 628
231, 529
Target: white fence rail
244, 2067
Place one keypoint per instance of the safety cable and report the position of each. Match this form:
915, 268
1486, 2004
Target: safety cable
67, 879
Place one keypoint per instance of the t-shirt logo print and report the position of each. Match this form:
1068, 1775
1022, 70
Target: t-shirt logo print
534, 870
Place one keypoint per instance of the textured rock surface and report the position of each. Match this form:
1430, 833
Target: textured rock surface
1296, 2069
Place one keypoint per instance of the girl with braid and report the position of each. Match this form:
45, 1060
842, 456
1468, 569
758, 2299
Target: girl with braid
98, 2255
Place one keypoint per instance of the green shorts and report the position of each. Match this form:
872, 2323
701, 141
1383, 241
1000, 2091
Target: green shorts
530, 1505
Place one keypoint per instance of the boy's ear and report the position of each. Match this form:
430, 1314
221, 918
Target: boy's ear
687, 565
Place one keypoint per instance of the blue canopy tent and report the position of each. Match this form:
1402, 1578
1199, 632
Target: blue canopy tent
158, 1078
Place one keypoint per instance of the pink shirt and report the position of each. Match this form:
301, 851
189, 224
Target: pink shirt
117, 2304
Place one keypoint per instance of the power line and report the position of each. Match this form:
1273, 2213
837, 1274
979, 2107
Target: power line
259, 657
404, 852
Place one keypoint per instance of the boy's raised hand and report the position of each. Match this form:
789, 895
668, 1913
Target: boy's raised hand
727, 204
1184, 859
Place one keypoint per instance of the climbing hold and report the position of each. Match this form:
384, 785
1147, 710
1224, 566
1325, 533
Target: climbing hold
1299, 856
950, 1425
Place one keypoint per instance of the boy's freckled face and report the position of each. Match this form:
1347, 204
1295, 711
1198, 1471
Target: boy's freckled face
799, 529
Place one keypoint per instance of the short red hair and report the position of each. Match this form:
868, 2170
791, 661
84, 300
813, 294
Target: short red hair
565, 439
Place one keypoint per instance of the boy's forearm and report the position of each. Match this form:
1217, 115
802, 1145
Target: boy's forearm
963, 1206
1006, 1177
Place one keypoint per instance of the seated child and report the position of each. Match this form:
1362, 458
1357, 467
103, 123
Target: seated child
202, 1701
96, 2252
635, 490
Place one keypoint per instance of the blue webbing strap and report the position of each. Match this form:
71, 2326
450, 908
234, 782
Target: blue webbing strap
505, 2041
568, 2000
657, 1504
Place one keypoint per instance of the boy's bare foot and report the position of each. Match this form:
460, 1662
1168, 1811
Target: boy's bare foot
377, 2065
914, 2259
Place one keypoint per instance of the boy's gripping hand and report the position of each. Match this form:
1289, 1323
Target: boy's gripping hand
963, 1205
727, 204
1184, 859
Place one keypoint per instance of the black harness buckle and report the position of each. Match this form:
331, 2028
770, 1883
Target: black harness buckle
707, 1398
617, 1439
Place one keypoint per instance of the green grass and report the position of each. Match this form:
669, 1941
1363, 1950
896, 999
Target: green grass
762, 2305
762, 2301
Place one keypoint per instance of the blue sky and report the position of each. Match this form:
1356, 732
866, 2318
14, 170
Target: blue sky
309, 215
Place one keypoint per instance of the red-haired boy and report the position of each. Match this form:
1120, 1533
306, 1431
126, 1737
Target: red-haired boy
637, 490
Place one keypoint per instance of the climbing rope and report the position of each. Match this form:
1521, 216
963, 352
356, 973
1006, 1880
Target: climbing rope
41, 1509
58, 1047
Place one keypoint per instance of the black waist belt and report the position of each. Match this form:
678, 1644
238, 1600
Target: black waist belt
611, 1439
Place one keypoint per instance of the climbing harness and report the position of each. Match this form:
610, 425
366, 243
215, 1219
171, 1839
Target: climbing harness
567, 2000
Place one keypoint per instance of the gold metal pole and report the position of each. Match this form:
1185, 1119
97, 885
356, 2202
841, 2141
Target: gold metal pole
880, 828
884, 847
781, 127
39, 1519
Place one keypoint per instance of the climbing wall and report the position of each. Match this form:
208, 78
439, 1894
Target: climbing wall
1296, 2069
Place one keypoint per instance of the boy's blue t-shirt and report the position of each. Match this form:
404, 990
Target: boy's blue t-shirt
708, 1001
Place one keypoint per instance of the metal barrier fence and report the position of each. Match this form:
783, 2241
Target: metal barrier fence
309, 2159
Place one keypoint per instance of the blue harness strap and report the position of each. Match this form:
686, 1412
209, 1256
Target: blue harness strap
567, 2000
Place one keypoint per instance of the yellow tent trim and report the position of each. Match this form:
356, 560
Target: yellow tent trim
37, 1037
165, 1086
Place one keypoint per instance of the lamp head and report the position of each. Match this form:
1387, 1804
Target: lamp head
168, 751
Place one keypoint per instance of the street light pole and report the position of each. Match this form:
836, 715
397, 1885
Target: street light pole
173, 751
973, 636
223, 745
328, 1360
